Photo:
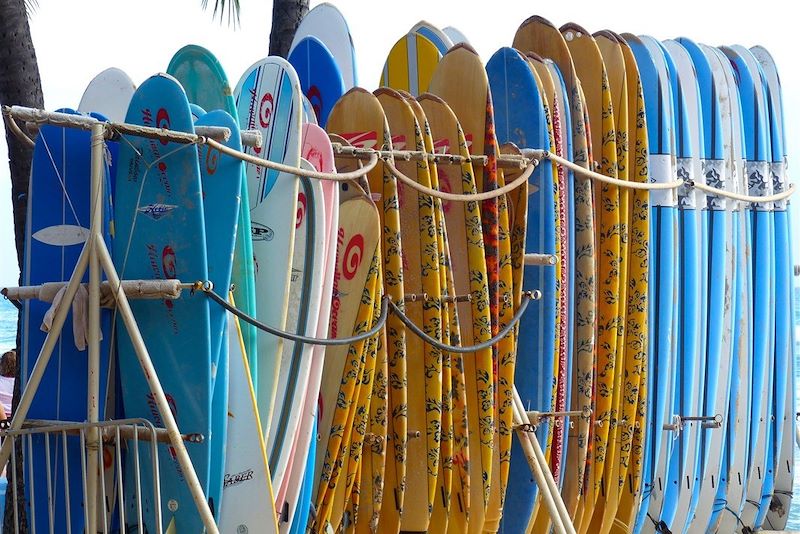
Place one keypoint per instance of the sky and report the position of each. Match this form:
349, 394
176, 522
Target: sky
76, 40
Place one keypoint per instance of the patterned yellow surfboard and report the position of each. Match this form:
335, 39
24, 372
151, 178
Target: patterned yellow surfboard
591, 70
359, 118
473, 442
420, 277
636, 335
538, 35
452, 367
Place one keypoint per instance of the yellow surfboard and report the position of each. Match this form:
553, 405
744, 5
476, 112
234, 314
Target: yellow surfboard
473, 442
420, 277
452, 366
355, 288
410, 64
636, 335
461, 80
538, 35
359, 118
591, 70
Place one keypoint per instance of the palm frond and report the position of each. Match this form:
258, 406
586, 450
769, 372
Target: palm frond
30, 6
226, 9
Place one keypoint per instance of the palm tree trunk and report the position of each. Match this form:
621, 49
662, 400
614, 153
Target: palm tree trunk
20, 84
286, 16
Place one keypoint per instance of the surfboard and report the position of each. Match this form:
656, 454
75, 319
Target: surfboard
326, 23
453, 393
317, 150
319, 75
410, 64
465, 234
776, 515
752, 91
591, 70
631, 449
456, 36
58, 222
521, 119
207, 86
690, 361
717, 171
420, 276
248, 502
354, 289
538, 35
268, 98
660, 133
161, 192
733, 485
220, 176
362, 122
690, 371
109, 94
438, 37
305, 294
472, 105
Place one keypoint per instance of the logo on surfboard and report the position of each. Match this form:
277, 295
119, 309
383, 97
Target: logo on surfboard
156, 211
362, 139
353, 254
261, 232
265, 110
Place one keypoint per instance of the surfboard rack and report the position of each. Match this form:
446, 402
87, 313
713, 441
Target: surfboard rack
537, 417
679, 421
540, 259
424, 297
130, 437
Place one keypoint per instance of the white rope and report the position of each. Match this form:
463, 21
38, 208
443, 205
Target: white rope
744, 198
358, 173
486, 195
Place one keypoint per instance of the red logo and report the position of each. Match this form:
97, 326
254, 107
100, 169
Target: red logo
441, 146
168, 262
353, 253
315, 97
301, 209
362, 139
399, 142
314, 157
468, 138
162, 121
212, 160
265, 110
445, 187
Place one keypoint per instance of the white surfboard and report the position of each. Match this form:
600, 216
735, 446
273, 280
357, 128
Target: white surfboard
109, 94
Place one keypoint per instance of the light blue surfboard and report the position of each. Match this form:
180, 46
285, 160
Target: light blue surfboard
690, 360
520, 119
58, 221
775, 515
220, 175
320, 78
733, 482
752, 89
206, 85
161, 235
663, 221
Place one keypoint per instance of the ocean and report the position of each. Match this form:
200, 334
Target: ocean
8, 325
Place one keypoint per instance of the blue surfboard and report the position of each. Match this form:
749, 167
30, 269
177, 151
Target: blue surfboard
774, 513
207, 86
320, 78
161, 235
520, 119
220, 175
58, 226
663, 221
690, 360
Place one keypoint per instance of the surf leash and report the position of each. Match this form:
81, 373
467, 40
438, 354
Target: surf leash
207, 288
